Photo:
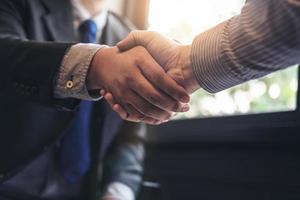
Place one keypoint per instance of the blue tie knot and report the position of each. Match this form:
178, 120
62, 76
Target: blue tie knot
88, 31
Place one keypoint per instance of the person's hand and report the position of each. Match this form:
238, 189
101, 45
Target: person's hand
172, 56
138, 84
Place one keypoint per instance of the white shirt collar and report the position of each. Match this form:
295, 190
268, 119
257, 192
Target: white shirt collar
81, 14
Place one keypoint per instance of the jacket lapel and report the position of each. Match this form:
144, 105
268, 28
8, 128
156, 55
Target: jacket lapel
58, 20
114, 31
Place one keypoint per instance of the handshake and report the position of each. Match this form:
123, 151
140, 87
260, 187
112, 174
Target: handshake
146, 78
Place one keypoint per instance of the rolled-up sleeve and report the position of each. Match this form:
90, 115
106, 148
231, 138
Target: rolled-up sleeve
264, 38
71, 78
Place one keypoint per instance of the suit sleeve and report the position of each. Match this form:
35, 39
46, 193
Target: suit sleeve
28, 68
264, 38
124, 163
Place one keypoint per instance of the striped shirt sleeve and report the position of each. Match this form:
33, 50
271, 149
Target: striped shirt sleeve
264, 38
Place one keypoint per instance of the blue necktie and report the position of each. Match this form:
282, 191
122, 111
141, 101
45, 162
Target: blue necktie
75, 156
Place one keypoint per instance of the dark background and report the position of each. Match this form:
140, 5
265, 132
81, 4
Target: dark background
255, 157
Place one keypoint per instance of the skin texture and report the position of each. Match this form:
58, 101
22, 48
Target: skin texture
150, 103
138, 83
173, 57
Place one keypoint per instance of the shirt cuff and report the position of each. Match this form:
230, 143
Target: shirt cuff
118, 191
71, 78
209, 61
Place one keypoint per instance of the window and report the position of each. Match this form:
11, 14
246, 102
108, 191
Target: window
183, 20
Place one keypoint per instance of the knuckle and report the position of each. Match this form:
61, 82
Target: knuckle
165, 115
135, 35
159, 99
135, 32
127, 80
137, 116
122, 90
175, 106
132, 32
155, 99
168, 115
157, 78
162, 115
139, 59
164, 79
127, 101
152, 33
141, 53
118, 82
147, 110
125, 117
141, 117
141, 50
138, 33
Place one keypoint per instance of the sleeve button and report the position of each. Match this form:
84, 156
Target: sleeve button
70, 84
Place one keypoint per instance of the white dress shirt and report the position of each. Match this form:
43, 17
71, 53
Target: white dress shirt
75, 64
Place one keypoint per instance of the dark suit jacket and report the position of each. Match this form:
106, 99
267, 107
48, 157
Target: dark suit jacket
31, 119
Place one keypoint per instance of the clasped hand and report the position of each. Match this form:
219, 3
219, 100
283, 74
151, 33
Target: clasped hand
139, 85
147, 77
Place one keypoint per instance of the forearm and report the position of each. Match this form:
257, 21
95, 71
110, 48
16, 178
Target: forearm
28, 68
262, 39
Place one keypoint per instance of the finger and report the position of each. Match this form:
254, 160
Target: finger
136, 38
159, 78
129, 42
110, 99
102, 92
135, 116
116, 107
156, 97
120, 110
146, 108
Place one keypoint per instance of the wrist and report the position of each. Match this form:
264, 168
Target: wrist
190, 80
93, 81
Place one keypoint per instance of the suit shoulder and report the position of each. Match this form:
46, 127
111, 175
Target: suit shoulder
16, 8
119, 21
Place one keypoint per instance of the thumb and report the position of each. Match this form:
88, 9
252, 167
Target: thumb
127, 43
135, 38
